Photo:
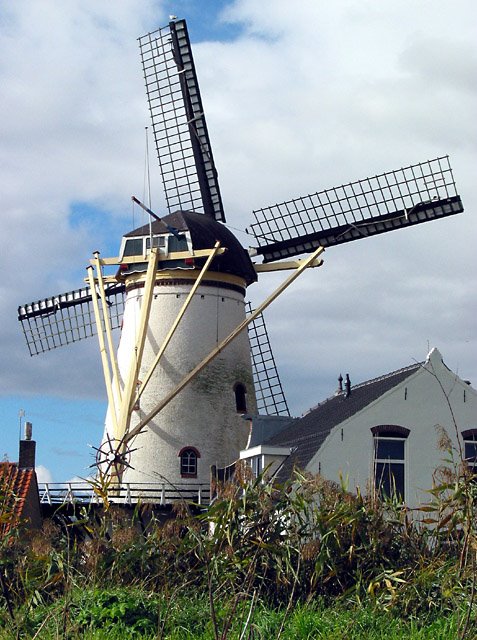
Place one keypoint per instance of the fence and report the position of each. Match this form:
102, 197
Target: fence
156, 493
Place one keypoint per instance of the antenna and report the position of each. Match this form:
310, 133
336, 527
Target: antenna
148, 181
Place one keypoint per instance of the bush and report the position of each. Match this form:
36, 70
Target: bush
257, 549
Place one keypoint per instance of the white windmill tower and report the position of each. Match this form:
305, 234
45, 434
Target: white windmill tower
173, 319
183, 376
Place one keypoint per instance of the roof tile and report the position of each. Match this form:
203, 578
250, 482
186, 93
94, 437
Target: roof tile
16, 483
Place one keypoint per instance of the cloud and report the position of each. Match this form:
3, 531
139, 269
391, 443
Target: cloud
305, 96
68, 134
83, 480
43, 474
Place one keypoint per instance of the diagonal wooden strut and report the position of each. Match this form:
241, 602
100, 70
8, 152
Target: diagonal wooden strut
107, 326
215, 352
102, 349
136, 356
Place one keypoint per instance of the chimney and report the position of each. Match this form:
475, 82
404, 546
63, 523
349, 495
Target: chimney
347, 386
26, 456
339, 390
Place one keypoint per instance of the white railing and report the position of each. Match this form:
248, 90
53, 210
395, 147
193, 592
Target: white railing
129, 493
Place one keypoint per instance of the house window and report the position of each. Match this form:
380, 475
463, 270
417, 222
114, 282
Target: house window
389, 459
470, 449
188, 460
240, 398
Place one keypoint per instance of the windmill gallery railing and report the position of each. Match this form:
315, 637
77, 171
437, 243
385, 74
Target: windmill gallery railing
160, 493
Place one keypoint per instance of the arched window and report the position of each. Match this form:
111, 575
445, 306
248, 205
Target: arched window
188, 459
389, 459
470, 449
240, 398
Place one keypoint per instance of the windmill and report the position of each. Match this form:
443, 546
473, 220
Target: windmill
181, 383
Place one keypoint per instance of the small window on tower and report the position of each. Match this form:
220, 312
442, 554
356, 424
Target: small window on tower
240, 398
188, 459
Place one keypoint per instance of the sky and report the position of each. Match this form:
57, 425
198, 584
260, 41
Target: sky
298, 97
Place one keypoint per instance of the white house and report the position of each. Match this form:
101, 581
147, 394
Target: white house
384, 431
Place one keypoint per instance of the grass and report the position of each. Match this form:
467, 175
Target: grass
132, 613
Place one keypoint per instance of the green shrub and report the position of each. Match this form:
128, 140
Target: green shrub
254, 560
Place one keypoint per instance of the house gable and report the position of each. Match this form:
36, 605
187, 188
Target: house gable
420, 406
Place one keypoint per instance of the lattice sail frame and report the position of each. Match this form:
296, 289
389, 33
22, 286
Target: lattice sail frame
268, 387
180, 130
69, 317
408, 196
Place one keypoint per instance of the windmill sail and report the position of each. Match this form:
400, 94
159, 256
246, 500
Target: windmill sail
268, 387
180, 131
69, 317
400, 198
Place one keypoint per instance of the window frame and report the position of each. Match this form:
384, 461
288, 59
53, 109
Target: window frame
388, 434
185, 455
256, 464
134, 243
158, 242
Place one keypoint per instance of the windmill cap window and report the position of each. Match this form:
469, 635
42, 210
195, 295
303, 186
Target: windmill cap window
141, 246
157, 241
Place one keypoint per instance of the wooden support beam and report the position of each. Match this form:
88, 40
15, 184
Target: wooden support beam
284, 266
138, 349
215, 352
102, 350
174, 255
107, 326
